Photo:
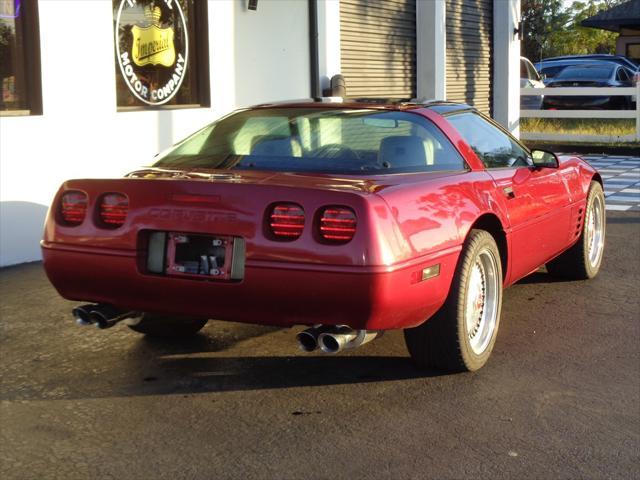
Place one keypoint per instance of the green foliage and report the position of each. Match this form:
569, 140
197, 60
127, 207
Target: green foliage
540, 18
551, 30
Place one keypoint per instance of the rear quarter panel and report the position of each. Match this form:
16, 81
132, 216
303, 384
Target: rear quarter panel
436, 216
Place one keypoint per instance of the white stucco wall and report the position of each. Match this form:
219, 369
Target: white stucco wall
254, 57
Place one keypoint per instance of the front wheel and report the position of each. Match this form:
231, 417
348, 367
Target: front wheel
157, 325
461, 335
582, 261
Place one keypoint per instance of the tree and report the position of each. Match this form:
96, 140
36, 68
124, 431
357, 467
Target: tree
539, 19
550, 30
575, 39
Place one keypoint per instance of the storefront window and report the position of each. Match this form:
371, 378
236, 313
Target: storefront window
633, 51
19, 58
161, 53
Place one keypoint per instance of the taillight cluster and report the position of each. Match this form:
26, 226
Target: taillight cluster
112, 208
287, 221
335, 224
73, 207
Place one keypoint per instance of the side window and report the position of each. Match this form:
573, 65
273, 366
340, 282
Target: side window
495, 148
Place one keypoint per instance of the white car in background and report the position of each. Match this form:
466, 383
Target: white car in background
530, 78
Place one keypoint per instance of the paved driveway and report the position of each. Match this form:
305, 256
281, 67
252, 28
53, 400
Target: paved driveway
621, 176
560, 397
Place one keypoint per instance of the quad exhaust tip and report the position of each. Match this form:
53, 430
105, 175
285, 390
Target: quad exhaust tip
101, 315
82, 314
334, 339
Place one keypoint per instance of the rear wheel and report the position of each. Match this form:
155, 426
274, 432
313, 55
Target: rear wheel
157, 325
461, 335
583, 260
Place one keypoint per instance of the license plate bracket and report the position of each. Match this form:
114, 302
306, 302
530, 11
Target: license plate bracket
200, 256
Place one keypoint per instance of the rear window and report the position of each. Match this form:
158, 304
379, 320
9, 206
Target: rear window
600, 73
551, 72
324, 140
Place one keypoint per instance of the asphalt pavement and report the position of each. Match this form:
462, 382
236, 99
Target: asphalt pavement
559, 398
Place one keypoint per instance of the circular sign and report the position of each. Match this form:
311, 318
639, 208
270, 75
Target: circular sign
152, 48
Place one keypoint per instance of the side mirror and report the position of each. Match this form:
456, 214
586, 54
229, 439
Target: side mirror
543, 76
543, 159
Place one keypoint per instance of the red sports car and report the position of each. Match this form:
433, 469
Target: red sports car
350, 218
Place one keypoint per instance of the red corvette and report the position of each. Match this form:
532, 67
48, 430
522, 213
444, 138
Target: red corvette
351, 218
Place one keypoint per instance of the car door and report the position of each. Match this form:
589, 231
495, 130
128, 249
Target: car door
537, 199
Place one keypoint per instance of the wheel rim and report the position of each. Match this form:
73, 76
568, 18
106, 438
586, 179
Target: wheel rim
483, 297
595, 231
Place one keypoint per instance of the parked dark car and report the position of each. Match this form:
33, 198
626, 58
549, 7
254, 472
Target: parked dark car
600, 74
549, 69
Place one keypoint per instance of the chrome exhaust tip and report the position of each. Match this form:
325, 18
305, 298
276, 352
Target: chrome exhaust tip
345, 338
102, 316
82, 314
308, 339
336, 341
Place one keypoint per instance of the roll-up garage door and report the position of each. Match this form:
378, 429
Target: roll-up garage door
378, 47
470, 53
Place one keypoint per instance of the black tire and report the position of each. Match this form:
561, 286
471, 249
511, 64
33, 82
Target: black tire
576, 263
156, 325
444, 342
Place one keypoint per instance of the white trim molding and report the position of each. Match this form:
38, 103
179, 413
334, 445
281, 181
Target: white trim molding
431, 49
506, 64
328, 41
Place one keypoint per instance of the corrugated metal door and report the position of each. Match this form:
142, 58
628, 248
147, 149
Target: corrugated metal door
378, 47
470, 53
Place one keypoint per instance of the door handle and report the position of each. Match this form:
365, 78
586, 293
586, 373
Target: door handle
508, 192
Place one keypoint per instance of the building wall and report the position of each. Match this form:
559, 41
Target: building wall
627, 36
254, 57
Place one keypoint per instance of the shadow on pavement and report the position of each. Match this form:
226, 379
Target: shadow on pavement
540, 278
198, 375
217, 337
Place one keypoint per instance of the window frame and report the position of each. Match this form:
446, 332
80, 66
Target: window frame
202, 58
32, 62
492, 122
628, 47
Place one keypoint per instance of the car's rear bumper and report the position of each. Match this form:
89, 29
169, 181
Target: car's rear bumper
271, 293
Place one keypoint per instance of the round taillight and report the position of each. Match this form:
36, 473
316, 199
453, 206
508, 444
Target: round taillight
337, 224
73, 207
286, 221
113, 209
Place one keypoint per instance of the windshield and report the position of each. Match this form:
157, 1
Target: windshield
326, 140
